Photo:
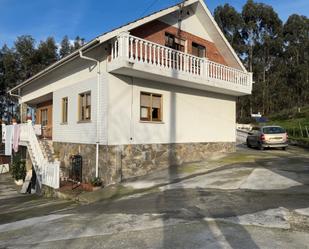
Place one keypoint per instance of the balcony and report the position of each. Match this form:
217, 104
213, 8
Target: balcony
140, 58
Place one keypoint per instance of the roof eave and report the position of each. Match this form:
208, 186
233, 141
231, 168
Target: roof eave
55, 65
223, 36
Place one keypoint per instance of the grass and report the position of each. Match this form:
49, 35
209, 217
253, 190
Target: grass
291, 123
292, 120
189, 168
238, 158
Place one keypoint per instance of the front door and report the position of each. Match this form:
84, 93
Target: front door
44, 113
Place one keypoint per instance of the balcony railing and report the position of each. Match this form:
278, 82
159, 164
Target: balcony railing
137, 50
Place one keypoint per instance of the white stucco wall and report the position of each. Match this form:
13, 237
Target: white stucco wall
75, 131
189, 115
69, 81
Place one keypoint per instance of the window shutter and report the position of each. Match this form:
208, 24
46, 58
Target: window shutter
156, 101
145, 100
88, 99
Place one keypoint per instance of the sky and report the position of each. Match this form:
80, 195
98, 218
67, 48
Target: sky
90, 18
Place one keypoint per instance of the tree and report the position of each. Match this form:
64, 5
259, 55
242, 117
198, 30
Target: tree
47, 52
263, 36
79, 42
231, 23
25, 59
25, 56
296, 40
9, 77
65, 47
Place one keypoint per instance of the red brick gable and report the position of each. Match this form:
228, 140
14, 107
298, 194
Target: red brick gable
155, 32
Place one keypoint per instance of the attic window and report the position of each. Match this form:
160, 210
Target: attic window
173, 42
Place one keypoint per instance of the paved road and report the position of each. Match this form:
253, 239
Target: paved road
249, 199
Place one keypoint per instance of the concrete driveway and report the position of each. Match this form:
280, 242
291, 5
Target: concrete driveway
248, 199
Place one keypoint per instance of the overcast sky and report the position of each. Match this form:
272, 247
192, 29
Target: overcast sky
89, 18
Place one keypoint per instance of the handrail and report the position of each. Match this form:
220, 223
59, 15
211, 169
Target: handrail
164, 47
47, 173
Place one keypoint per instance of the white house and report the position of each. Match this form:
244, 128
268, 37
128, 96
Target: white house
158, 91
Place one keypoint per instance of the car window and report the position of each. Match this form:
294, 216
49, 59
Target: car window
273, 130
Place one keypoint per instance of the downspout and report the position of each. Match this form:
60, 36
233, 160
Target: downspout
98, 106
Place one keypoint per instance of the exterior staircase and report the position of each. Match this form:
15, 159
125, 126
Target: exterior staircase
48, 149
47, 169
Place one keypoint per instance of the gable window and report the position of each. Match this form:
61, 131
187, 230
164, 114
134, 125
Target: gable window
85, 106
173, 42
198, 50
64, 110
151, 107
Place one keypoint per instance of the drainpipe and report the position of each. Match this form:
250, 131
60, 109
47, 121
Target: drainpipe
98, 106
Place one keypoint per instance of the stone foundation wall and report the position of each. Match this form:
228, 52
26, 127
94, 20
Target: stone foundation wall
121, 162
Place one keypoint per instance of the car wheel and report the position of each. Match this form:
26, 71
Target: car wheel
248, 144
260, 147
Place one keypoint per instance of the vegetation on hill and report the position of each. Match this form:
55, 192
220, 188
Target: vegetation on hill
26, 58
277, 53
295, 121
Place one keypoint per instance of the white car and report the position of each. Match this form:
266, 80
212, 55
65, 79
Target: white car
267, 137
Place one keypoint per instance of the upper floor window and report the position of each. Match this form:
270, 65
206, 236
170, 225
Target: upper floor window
151, 107
198, 50
64, 110
85, 106
172, 41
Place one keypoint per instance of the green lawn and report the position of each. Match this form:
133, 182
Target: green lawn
291, 120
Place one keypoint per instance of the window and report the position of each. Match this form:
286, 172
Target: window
44, 121
151, 107
85, 106
64, 110
198, 50
173, 42
273, 130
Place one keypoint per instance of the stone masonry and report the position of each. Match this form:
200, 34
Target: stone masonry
120, 162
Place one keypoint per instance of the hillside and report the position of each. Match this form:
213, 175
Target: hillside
295, 121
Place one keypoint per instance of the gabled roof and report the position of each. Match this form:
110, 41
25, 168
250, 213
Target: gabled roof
129, 26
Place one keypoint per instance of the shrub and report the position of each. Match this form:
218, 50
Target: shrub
18, 168
97, 182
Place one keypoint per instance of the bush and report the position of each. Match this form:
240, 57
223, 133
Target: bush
300, 115
96, 182
304, 142
18, 168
